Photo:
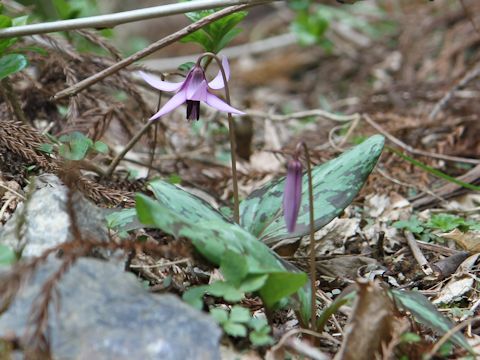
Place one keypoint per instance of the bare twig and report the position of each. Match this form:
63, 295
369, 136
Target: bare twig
12, 191
412, 150
448, 335
170, 39
11, 98
127, 148
417, 253
284, 342
303, 114
469, 76
111, 20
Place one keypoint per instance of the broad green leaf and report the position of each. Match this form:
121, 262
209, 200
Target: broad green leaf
280, 285
212, 236
233, 267
182, 214
426, 314
194, 295
253, 283
240, 314
235, 329
220, 315
123, 220
5, 21
225, 290
12, 63
190, 207
335, 185
7, 255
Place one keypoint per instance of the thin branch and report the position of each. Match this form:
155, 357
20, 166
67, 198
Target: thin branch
170, 39
111, 20
417, 253
233, 52
449, 334
469, 76
303, 114
412, 150
127, 148
11, 98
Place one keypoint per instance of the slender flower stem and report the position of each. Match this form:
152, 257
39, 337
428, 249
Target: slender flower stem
231, 130
313, 269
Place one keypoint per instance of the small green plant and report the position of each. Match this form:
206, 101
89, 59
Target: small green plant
11, 60
438, 222
412, 224
449, 222
215, 36
74, 146
238, 322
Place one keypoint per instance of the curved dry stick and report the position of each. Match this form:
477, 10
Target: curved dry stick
231, 131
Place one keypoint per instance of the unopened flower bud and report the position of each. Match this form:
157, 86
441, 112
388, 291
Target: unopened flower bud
292, 194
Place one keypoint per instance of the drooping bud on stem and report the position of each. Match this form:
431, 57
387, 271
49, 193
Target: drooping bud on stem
292, 194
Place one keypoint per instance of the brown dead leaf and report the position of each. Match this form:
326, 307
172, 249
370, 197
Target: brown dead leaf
469, 240
371, 326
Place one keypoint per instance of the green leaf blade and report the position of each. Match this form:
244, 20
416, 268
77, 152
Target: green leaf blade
335, 185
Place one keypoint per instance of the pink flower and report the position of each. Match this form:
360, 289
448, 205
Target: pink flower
192, 90
292, 194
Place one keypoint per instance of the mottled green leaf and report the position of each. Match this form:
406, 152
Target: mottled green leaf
12, 63
209, 232
212, 234
425, 313
335, 185
189, 206
233, 267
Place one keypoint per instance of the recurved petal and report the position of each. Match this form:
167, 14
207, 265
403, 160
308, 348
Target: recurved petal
217, 82
177, 100
221, 105
292, 194
160, 84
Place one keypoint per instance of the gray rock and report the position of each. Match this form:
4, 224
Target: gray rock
106, 314
44, 222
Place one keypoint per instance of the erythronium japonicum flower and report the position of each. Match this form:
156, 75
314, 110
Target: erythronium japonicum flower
292, 194
193, 90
